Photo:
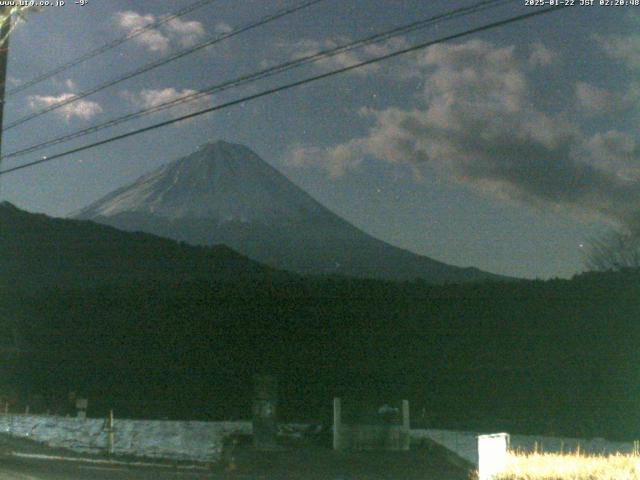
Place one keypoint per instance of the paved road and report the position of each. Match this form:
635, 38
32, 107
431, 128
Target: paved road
12, 468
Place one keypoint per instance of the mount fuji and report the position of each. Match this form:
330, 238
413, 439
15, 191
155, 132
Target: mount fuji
224, 193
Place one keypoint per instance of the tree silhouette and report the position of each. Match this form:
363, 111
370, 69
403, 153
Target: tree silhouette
615, 250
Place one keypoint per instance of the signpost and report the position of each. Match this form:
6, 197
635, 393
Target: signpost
81, 407
265, 402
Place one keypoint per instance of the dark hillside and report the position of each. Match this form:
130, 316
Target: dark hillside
157, 329
37, 251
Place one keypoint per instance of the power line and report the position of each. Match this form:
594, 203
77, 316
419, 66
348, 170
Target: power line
108, 46
288, 86
164, 61
265, 73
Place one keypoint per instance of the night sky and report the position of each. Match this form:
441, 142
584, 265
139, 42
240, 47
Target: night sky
505, 150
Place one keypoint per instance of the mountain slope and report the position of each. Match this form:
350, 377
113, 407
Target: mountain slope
225, 194
39, 251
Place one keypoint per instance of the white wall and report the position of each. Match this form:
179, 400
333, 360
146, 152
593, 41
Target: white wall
195, 441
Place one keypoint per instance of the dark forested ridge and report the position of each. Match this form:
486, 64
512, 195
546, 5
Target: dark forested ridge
182, 338
39, 251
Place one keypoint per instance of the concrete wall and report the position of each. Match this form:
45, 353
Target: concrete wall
202, 441
194, 441
374, 437
370, 437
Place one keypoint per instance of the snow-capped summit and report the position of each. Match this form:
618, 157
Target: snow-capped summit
225, 193
220, 181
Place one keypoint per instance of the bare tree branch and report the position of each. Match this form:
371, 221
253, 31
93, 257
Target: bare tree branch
615, 250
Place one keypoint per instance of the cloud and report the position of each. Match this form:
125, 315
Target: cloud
336, 160
67, 85
150, 98
186, 33
624, 48
82, 109
161, 39
594, 100
152, 40
308, 47
222, 27
541, 56
70, 84
615, 152
476, 123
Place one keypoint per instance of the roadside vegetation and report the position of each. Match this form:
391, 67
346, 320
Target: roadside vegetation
571, 466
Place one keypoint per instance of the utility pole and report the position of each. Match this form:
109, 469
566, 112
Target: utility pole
6, 13
5, 16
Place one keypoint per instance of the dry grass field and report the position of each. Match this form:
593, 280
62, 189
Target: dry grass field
571, 466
